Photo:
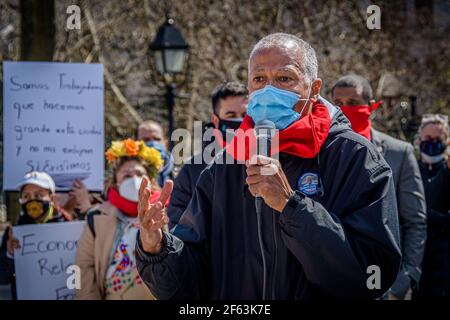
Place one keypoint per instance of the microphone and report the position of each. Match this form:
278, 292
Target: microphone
264, 131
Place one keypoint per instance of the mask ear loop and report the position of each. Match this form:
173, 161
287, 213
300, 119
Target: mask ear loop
305, 99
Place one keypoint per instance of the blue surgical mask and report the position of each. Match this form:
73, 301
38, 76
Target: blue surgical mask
274, 104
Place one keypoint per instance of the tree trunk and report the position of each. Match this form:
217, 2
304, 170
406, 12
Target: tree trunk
37, 44
37, 30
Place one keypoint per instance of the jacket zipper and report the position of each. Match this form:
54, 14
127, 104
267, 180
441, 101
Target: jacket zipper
274, 275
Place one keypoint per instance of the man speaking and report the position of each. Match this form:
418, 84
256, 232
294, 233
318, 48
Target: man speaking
328, 226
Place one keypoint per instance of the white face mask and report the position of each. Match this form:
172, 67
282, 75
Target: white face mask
129, 188
432, 159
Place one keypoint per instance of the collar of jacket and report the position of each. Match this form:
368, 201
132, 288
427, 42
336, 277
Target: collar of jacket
332, 109
378, 141
339, 122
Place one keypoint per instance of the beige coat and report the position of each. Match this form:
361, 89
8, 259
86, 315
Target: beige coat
93, 254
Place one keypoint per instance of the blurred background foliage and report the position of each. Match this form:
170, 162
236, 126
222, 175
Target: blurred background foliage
406, 61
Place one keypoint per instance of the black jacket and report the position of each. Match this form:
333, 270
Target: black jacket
183, 188
321, 246
7, 269
435, 281
186, 180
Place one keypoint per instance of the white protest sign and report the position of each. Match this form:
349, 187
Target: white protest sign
53, 121
47, 250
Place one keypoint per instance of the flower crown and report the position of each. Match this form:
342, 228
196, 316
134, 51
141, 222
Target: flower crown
138, 149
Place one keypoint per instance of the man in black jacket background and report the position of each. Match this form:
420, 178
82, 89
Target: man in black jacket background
329, 222
229, 106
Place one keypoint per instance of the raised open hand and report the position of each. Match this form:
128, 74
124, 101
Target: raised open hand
152, 217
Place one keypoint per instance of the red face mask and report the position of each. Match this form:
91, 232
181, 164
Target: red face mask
303, 138
359, 117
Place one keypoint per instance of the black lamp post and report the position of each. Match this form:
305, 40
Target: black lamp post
169, 49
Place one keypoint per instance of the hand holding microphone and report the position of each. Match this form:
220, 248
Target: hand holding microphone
265, 177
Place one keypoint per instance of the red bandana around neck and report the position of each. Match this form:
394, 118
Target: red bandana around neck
303, 138
359, 117
129, 208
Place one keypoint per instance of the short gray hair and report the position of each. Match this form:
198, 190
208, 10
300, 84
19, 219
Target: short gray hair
435, 118
308, 64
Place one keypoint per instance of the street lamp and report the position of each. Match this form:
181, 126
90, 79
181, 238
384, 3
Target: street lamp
169, 49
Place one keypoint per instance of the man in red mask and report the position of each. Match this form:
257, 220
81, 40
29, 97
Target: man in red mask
328, 220
353, 94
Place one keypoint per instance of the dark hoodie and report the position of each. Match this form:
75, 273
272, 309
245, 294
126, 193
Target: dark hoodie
317, 247
435, 281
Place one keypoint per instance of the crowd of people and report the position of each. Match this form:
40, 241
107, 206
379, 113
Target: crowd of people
345, 197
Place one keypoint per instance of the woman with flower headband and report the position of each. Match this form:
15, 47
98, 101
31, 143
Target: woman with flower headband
105, 252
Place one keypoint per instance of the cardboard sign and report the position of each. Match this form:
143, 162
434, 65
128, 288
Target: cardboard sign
53, 121
42, 262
